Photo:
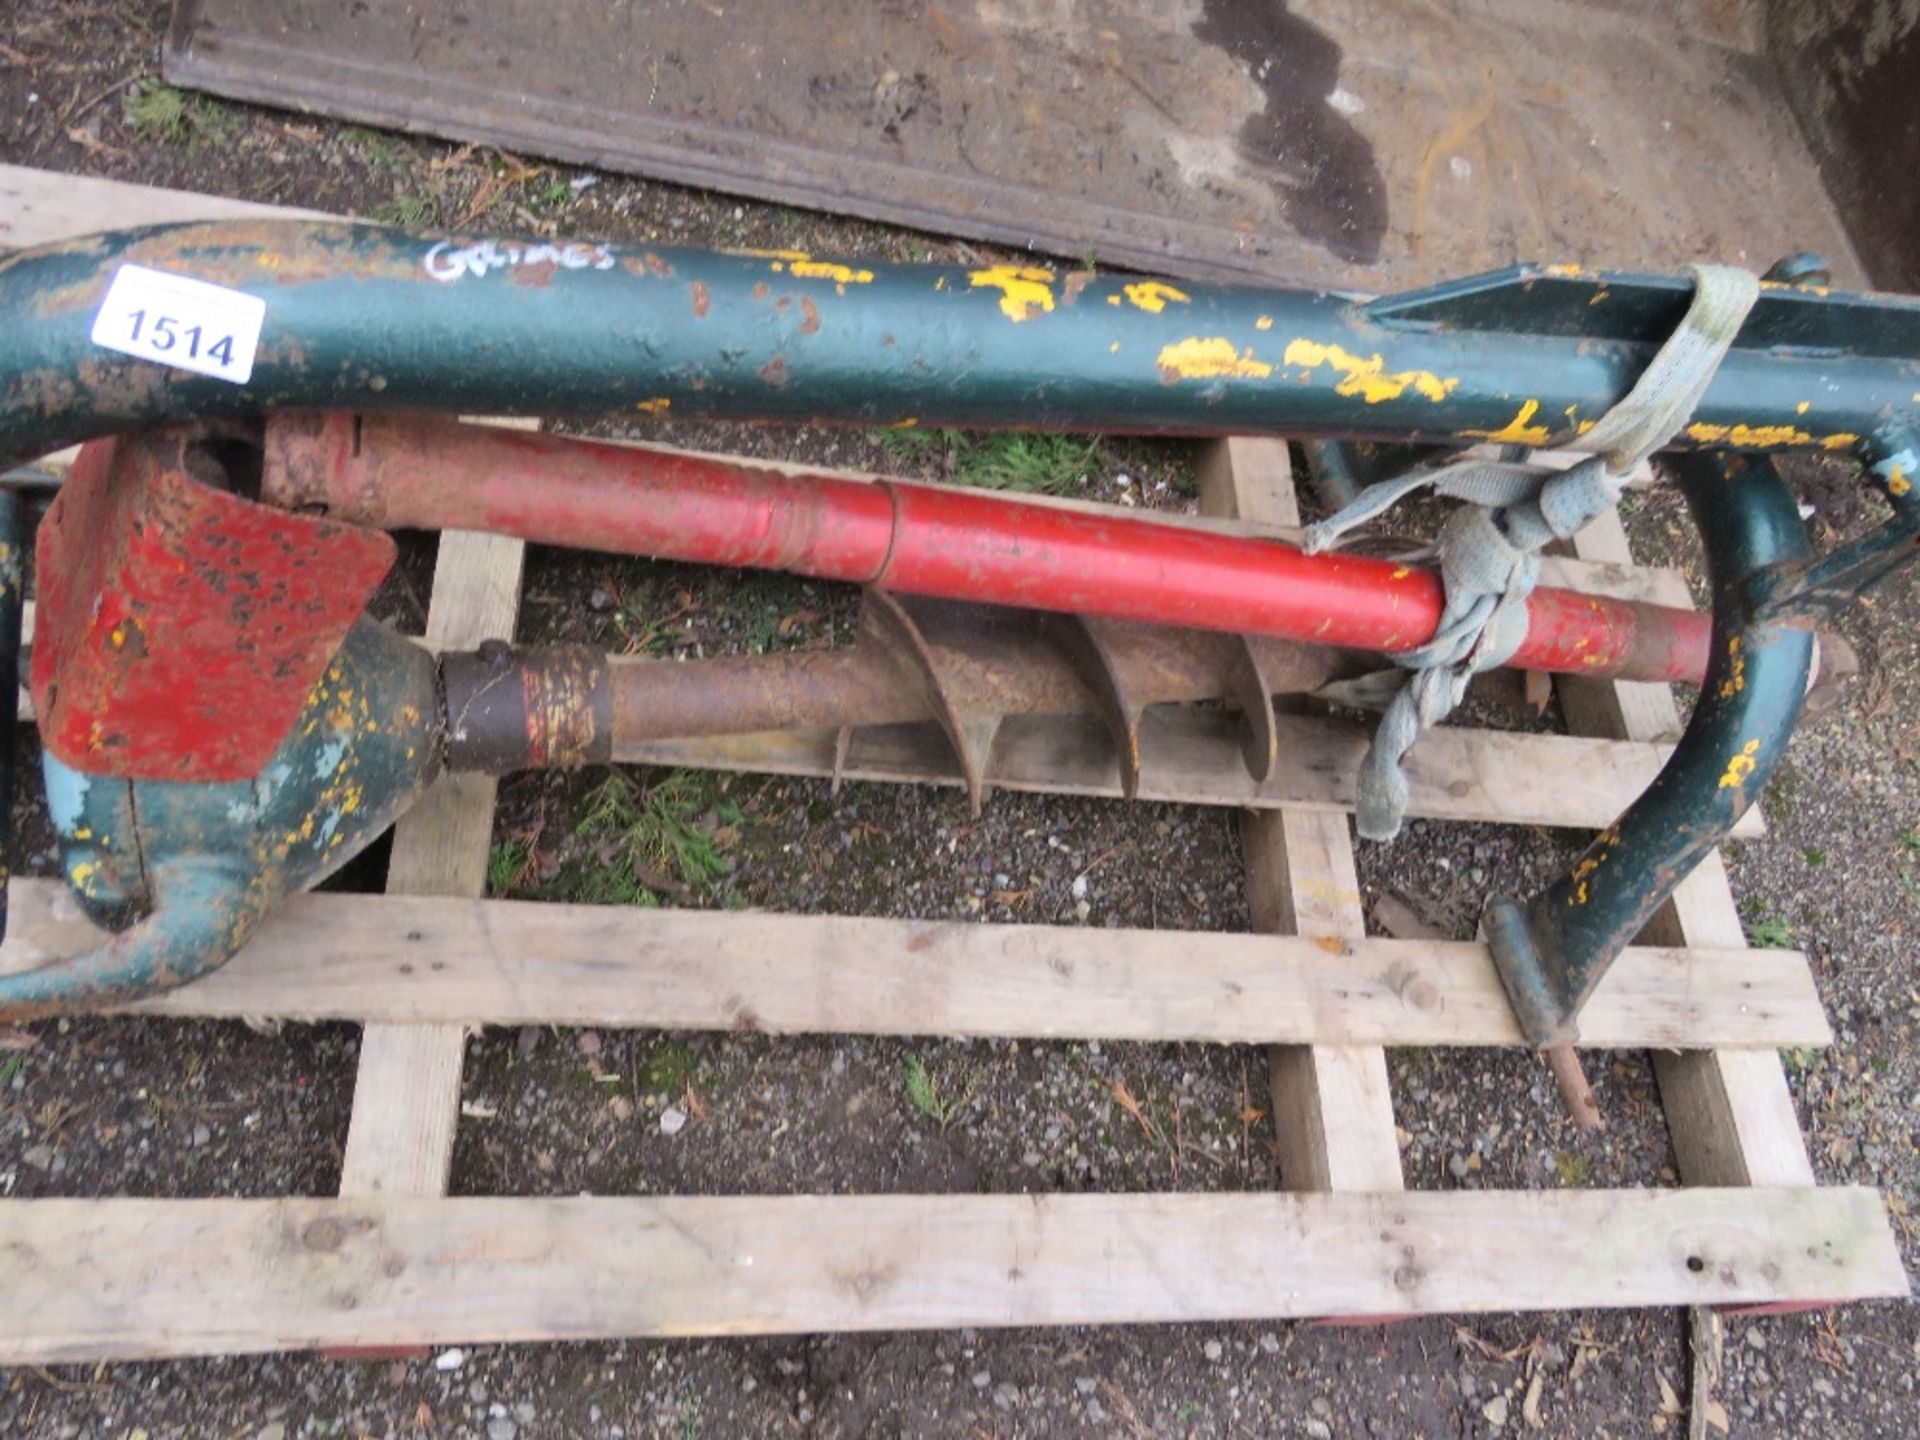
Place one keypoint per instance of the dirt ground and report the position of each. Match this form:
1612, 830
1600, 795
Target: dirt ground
139, 1107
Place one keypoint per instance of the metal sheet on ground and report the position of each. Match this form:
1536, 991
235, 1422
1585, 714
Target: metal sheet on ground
1371, 147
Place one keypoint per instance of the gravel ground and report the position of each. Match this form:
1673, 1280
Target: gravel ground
153, 1108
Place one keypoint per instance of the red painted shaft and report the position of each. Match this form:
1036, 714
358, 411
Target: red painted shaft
923, 540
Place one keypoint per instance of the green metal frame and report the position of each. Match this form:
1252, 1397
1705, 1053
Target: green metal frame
356, 318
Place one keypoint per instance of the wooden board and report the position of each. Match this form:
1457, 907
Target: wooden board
1332, 1104
406, 1096
122, 1279
1192, 755
454, 962
41, 207
1366, 147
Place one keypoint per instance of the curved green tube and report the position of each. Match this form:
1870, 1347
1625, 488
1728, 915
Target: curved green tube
1552, 950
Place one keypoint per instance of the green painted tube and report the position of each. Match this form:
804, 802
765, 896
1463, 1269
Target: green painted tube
1552, 950
364, 317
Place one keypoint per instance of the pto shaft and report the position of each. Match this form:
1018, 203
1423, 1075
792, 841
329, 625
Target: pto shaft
417, 472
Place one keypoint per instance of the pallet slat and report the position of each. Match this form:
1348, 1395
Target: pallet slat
1332, 1104
1192, 756
433, 960
406, 1095
123, 1279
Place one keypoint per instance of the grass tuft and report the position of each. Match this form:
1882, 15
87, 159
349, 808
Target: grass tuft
1032, 464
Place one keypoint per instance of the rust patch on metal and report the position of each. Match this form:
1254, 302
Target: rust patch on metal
510, 709
702, 298
774, 372
811, 324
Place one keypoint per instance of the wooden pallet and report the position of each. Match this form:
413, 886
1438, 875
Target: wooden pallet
392, 1261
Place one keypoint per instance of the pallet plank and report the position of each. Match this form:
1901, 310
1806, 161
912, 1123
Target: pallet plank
1191, 755
406, 1096
1730, 1114
41, 207
1332, 1104
452, 961
134, 1279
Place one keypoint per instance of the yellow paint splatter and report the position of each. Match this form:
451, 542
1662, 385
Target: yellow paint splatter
1842, 440
1803, 407
1897, 482
1025, 290
1368, 378
830, 270
1741, 766
1210, 357
1265, 322
1752, 436
1517, 431
659, 405
788, 255
1737, 680
1152, 295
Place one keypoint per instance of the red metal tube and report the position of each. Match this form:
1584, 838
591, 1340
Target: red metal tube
924, 540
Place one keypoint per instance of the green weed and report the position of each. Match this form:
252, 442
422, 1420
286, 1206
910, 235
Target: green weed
1571, 1168
666, 1066
1769, 931
932, 1099
408, 211
509, 864
163, 115
381, 152
550, 196
647, 838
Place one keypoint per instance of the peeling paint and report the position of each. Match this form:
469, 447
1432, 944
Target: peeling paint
1152, 295
1756, 436
1210, 357
1736, 681
1025, 290
841, 275
1517, 431
1368, 378
1741, 766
